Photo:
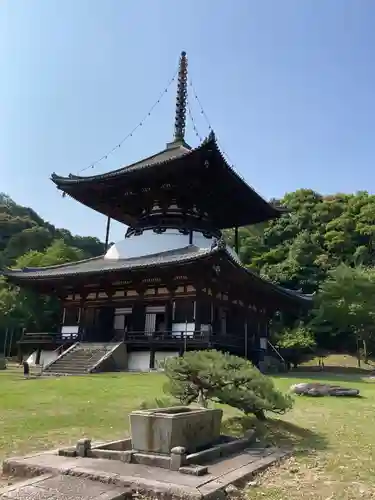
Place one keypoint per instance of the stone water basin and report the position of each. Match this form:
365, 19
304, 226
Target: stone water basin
161, 429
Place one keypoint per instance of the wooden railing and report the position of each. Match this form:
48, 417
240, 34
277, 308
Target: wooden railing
166, 336
188, 337
48, 338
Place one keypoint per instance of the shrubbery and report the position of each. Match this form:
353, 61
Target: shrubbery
200, 376
296, 345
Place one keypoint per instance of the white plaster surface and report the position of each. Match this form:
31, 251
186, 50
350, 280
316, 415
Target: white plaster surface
45, 357
183, 329
149, 243
139, 361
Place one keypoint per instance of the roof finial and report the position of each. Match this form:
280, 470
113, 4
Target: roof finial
180, 120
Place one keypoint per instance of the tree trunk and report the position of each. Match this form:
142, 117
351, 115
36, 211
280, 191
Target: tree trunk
358, 354
365, 354
260, 415
202, 400
5, 343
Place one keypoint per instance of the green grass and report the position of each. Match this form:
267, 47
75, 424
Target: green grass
333, 438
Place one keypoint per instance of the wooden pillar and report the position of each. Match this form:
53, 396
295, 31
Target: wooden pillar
139, 315
37, 356
236, 240
152, 358
19, 353
108, 227
246, 338
82, 318
197, 312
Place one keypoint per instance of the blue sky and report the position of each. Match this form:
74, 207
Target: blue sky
288, 87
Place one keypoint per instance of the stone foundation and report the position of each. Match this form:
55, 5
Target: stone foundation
178, 459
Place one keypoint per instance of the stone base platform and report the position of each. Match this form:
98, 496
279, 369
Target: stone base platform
96, 478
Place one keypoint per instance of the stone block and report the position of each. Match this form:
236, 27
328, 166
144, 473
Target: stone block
67, 452
119, 445
178, 457
151, 460
108, 454
126, 456
162, 429
83, 447
194, 470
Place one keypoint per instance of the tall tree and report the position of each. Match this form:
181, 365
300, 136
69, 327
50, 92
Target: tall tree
345, 301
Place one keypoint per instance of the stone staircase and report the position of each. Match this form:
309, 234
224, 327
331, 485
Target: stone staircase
80, 359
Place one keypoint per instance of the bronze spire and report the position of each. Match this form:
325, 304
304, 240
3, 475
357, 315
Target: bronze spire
180, 119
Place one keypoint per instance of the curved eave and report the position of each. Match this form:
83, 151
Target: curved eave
290, 295
74, 185
100, 265
183, 256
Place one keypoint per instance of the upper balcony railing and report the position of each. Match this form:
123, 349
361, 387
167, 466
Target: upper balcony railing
178, 338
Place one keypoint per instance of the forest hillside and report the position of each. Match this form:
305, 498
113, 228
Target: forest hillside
324, 244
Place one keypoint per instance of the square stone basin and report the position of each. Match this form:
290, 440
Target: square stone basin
161, 429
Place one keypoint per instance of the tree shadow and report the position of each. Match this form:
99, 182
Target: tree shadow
325, 376
276, 432
339, 370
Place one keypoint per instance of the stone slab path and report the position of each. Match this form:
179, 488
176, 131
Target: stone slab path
50, 487
118, 478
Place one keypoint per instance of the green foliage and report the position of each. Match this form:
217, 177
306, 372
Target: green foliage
199, 376
301, 247
26, 240
22, 231
345, 301
296, 344
298, 338
57, 253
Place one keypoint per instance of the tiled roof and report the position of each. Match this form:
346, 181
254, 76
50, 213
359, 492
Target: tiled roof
175, 162
164, 156
182, 255
101, 264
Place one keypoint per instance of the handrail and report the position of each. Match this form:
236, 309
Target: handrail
277, 352
71, 348
107, 354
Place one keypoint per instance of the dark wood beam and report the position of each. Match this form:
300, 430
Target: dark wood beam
236, 240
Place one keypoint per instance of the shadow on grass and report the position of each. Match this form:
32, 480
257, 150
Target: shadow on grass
339, 370
322, 376
275, 432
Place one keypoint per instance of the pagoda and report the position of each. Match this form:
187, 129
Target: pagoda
172, 284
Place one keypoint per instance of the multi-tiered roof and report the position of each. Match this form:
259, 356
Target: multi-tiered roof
183, 188
194, 179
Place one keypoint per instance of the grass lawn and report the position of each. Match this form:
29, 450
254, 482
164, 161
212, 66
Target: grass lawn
334, 439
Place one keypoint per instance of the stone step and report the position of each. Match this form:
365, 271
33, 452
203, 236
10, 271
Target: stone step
79, 360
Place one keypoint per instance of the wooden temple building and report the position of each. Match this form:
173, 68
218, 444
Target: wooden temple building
173, 283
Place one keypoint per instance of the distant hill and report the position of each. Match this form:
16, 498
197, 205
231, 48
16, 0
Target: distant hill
23, 230
318, 233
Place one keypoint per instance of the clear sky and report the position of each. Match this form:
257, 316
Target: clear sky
289, 88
